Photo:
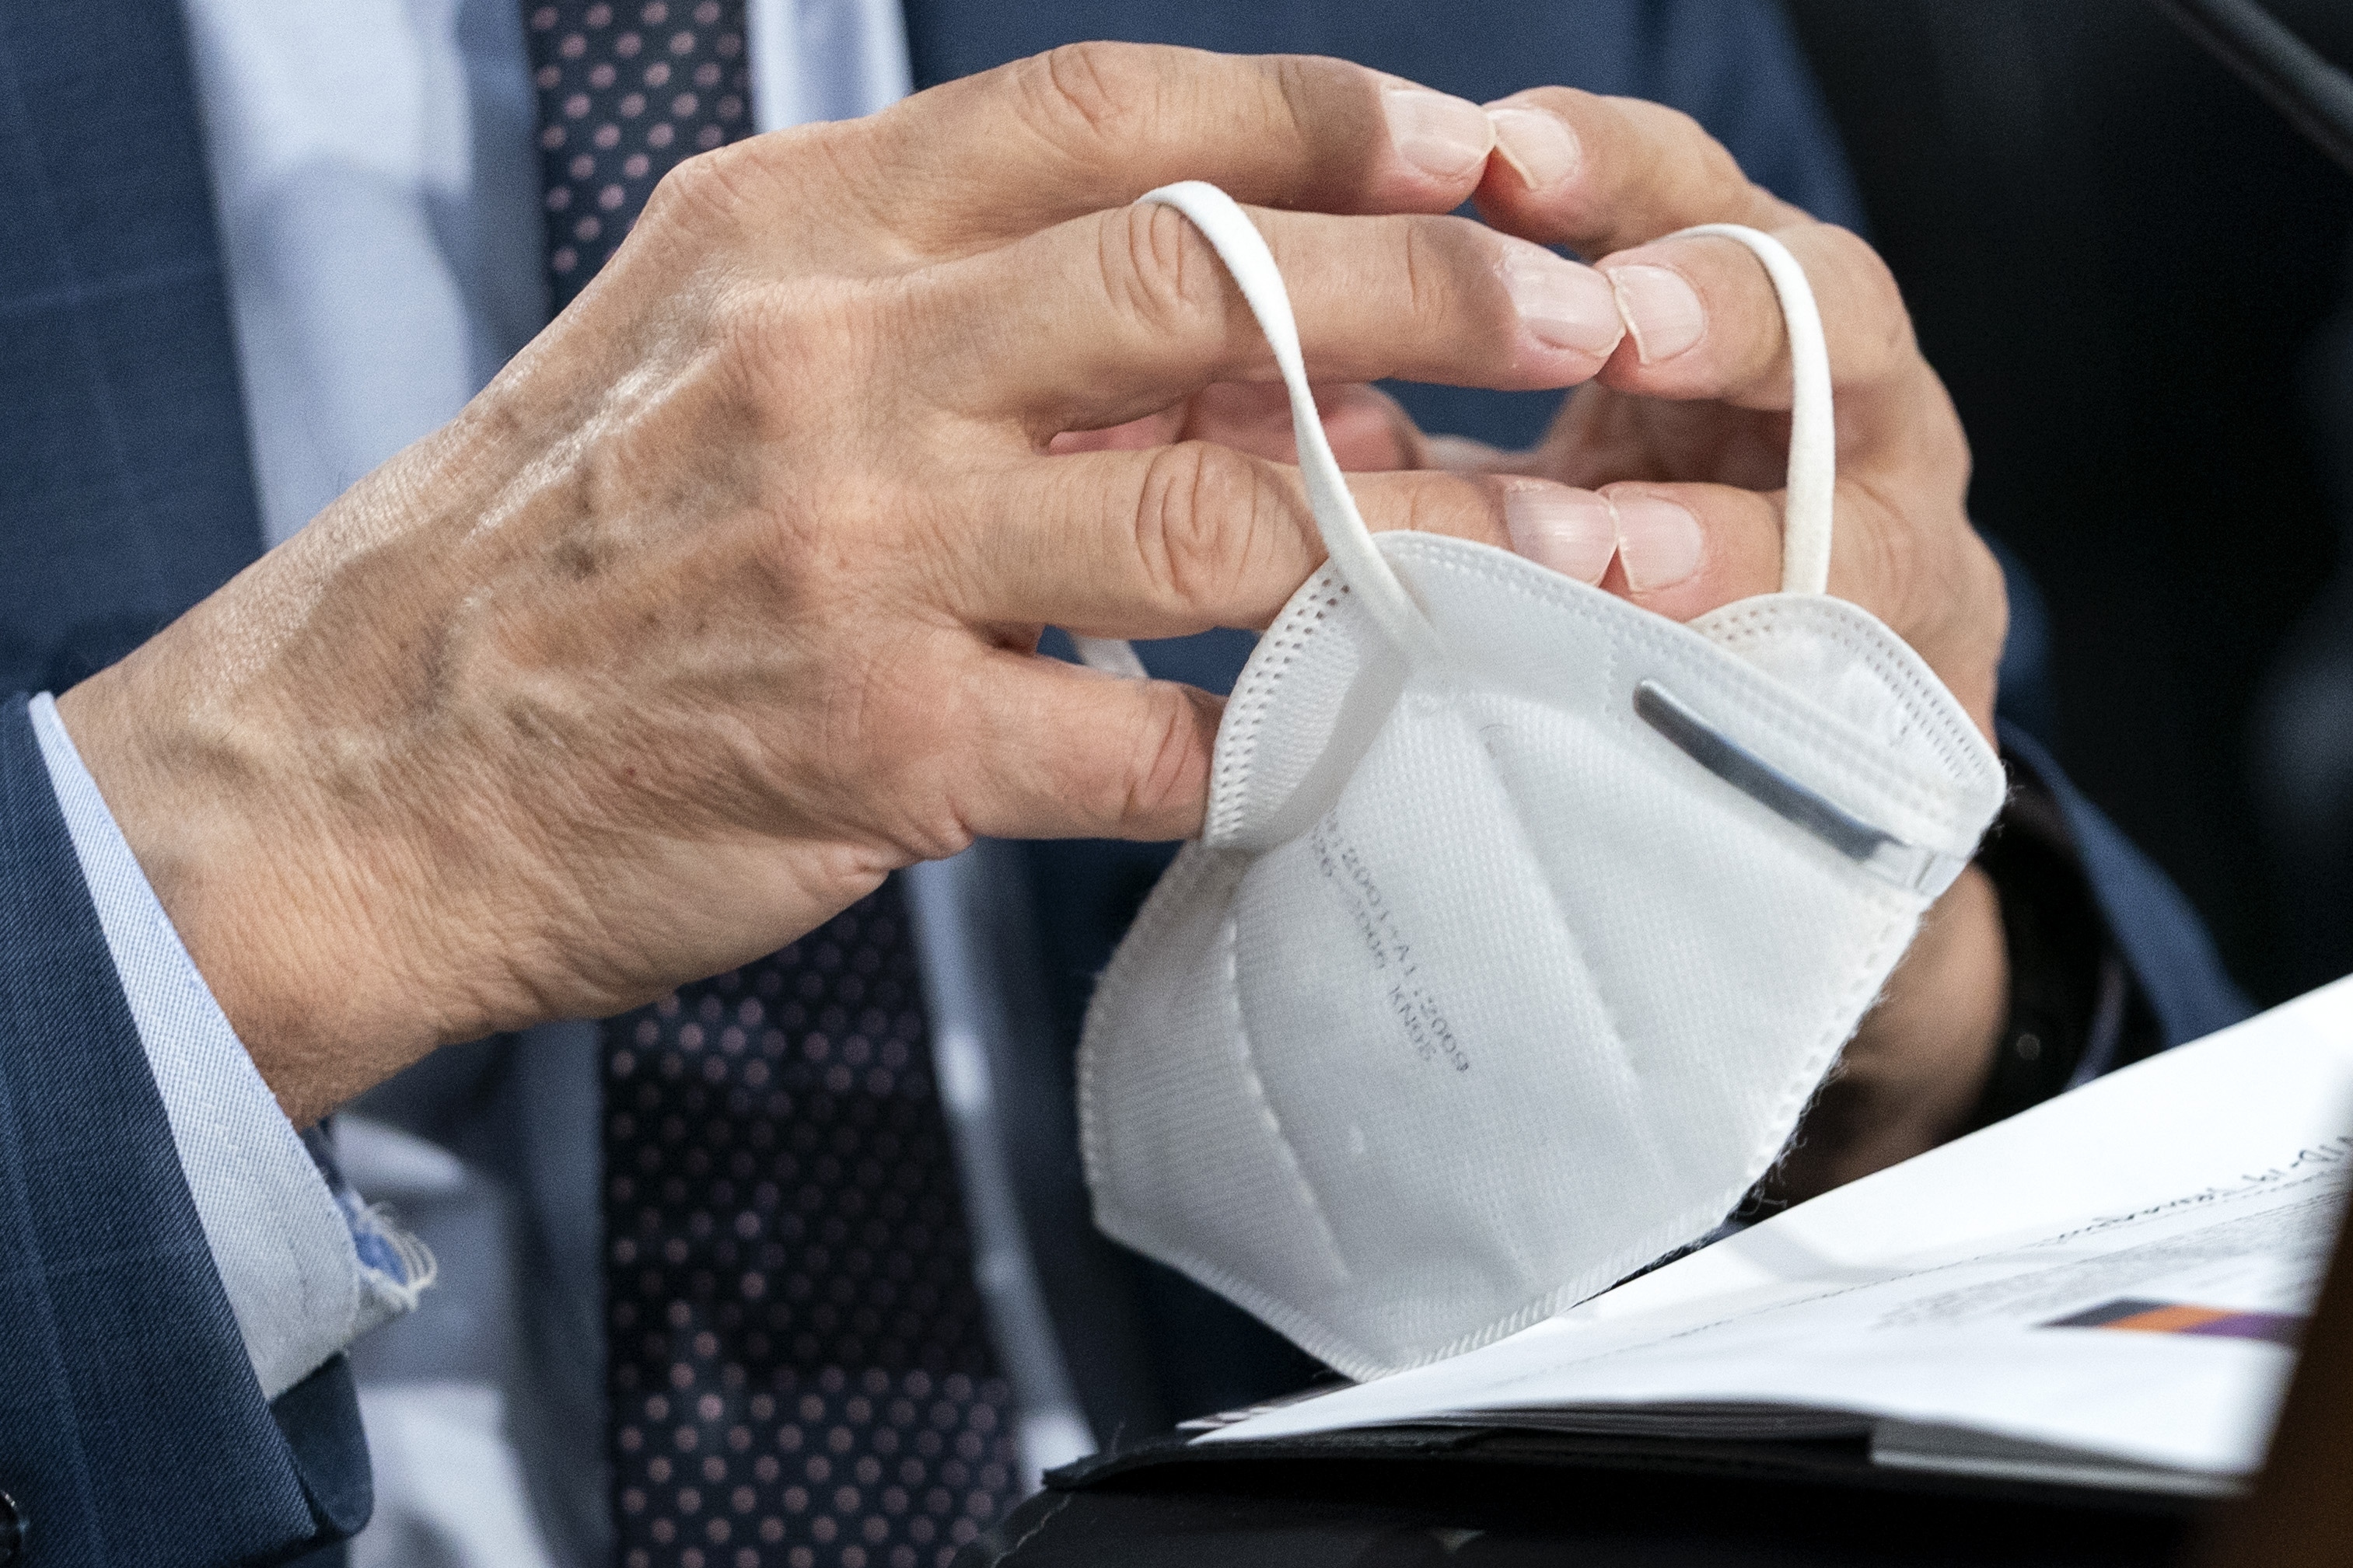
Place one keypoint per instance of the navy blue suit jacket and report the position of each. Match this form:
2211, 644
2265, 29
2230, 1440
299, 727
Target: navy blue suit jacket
131, 1432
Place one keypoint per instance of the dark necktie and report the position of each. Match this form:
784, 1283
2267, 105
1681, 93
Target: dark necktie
800, 1374
627, 90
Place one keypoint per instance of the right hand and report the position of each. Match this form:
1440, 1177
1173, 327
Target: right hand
720, 602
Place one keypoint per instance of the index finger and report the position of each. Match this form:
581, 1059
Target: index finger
1094, 125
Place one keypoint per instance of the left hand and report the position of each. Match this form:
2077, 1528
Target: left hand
1661, 481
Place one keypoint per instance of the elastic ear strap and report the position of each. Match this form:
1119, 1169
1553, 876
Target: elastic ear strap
1813, 442
1346, 537
1813, 435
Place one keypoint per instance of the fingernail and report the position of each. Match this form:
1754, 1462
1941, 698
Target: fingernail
1566, 305
1443, 137
1662, 311
1572, 532
1539, 146
1657, 542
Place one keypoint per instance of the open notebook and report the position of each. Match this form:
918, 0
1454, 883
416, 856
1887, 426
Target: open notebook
2106, 1291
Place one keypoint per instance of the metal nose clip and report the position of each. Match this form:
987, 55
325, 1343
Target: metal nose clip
1907, 866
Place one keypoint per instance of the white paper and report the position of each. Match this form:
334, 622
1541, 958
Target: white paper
2204, 1185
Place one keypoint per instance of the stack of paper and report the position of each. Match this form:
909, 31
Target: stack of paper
2105, 1289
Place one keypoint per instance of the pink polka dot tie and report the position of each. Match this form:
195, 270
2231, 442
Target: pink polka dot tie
798, 1370
801, 1373
627, 90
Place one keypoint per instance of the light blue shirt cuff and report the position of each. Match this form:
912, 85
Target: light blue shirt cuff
307, 1265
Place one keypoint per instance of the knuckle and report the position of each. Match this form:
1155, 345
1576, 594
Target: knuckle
707, 188
1879, 323
1454, 273
1431, 253
1924, 569
1938, 447
897, 739
1674, 140
1168, 760
1417, 266
936, 830
1984, 590
1718, 172
1679, 133
1153, 274
1449, 504
1892, 541
1300, 89
1201, 518
1081, 93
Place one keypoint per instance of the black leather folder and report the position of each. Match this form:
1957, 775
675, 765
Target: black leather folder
1456, 1498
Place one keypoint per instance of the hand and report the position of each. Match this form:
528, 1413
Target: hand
1673, 459
720, 602
1677, 453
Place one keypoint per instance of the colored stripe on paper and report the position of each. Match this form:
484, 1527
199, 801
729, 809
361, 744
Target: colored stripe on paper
2135, 1316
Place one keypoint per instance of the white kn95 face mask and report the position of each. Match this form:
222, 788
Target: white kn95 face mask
1524, 922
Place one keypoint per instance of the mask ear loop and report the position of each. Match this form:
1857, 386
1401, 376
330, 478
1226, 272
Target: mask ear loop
1813, 447
1347, 540
1814, 438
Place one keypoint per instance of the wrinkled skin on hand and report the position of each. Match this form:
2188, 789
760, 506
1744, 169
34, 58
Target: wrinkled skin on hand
722, 601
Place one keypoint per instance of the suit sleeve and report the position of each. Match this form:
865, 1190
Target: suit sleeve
2107, 963
308, 1267
133, 1429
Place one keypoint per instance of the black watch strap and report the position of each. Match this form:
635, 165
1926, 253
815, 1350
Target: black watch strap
2075, 1010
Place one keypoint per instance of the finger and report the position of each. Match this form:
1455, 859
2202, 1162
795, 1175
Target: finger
1685, 549
1157, 428
1169, 542
1367, 430
1095, 125
1065, 752
1599, 174
1111, 316
1462, 455
1704, 321
1364, 426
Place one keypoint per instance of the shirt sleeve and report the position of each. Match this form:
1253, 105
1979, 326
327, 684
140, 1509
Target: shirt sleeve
307, 1265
